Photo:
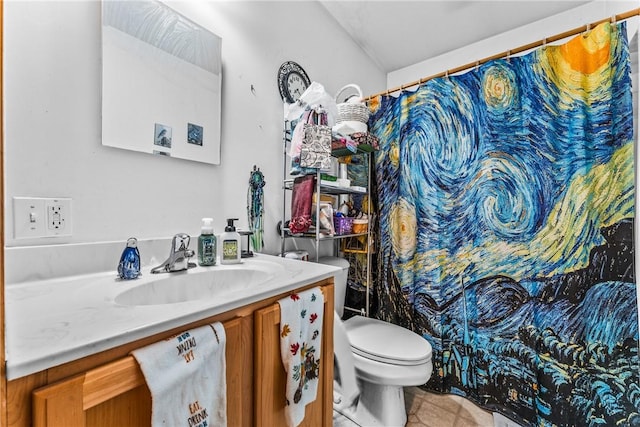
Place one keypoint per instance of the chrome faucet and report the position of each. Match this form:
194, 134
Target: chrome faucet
178, 257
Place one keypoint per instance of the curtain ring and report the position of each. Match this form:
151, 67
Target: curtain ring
446, 74
614, 19
477, 65
544, 42
509, 55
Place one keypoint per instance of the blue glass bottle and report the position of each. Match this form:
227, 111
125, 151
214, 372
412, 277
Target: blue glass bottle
129, 265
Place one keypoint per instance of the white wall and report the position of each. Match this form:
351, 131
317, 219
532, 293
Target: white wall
52, 117
557, 24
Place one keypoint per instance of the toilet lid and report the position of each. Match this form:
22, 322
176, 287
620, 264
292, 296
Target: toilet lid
385, 342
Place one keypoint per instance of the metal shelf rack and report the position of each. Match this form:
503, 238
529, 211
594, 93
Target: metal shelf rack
322, 188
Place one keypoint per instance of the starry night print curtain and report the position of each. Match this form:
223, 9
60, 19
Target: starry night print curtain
506, 200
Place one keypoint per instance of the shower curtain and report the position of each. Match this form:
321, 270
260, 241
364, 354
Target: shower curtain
506, 199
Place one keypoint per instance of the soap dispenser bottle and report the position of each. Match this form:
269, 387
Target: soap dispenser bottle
129, 265
230, 241
207, 244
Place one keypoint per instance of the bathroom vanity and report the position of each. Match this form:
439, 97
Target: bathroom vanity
101, 384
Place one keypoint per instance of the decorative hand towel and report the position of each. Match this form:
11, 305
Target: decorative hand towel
186, 377
301, 317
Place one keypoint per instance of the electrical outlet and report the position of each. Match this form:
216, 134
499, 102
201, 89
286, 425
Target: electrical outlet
35, 217
58, 217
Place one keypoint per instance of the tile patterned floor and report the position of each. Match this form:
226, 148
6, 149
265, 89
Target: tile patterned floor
426, 409
443, 410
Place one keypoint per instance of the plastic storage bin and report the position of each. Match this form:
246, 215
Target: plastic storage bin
343, 225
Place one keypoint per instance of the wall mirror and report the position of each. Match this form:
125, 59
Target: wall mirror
161, 82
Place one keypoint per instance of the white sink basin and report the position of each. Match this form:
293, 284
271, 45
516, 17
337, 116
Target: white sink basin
200, 284
52, 321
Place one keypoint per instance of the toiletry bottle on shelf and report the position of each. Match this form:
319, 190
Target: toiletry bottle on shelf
129, 265
230, 241
207, 244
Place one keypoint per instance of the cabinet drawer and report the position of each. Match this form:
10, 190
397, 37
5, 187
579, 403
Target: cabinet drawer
116, 394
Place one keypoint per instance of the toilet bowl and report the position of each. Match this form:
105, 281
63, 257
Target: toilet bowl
385, 358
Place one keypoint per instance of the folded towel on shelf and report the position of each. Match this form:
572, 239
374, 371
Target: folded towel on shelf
301, 318
186, 375
365, 139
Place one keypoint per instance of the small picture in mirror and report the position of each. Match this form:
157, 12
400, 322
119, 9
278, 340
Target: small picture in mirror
194, 134
162, 135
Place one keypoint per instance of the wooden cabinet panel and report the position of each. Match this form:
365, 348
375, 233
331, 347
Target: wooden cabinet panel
270, 375
115, 394
107, 389
132, 408
19, 398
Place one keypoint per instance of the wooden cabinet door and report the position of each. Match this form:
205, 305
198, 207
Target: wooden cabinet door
116, 395
270, 374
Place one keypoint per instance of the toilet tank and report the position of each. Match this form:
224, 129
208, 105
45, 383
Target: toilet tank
340, 279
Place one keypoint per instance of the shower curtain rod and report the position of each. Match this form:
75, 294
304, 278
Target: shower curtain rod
587, 27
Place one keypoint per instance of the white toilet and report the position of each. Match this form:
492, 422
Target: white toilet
386, 358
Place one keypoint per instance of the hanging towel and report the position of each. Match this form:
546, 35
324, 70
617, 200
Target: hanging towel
186, 377
301, 317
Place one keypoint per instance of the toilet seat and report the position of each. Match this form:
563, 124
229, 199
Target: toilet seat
386, 343
386, 374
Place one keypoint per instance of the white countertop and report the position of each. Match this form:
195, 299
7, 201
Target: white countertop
50, 322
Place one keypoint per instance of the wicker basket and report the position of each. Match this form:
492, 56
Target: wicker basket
352, 109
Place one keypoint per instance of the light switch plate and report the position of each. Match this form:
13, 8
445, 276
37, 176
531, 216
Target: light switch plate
35, 217
28, 217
